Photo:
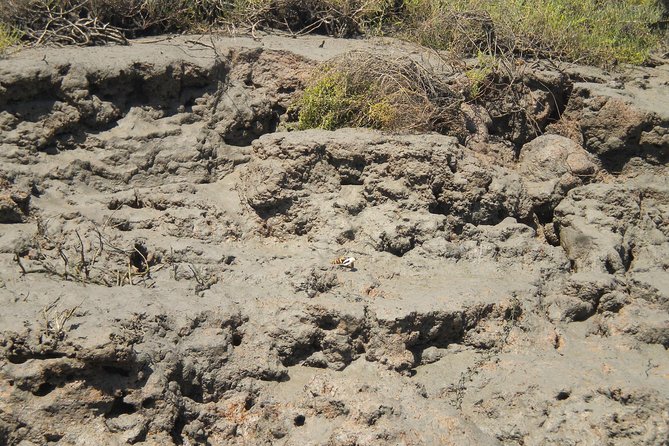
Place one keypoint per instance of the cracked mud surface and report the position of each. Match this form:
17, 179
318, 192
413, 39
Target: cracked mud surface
165, 257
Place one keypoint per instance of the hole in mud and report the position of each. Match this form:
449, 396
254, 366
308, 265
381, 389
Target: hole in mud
35, 190
278, 208
244, 135
439, 208
327, 323
299, 420
317, 363
44, 389
51, 150
350, 171
120, 407
513, 312
302, 354
149, 403
562, 395
116, 370
545, 214
347, 235
629, 260
177, 430
123, 225
139, 256
351, 180
236, 339
194, 391
53, 437
136, 203
20, 358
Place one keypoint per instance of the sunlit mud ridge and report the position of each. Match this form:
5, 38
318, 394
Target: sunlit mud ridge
166, 251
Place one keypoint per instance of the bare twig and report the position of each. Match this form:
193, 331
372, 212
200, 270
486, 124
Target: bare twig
17, 258
54, 320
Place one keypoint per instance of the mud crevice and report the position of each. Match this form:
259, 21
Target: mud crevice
335, 345
120, 407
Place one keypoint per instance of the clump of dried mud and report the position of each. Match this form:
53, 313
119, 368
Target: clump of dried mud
165, 257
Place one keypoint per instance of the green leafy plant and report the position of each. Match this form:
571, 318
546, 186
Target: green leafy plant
480, 75
327, 103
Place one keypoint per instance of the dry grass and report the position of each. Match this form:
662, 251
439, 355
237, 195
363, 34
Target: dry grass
55, 320
589, 31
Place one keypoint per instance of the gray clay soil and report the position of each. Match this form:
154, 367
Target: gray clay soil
165, 256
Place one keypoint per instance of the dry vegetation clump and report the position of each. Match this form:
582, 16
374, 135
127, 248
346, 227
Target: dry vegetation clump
397, 93
59, 23
87, 256
362, 89
339, 18
502, 87
92, 22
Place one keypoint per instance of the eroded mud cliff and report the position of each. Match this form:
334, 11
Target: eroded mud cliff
165, 254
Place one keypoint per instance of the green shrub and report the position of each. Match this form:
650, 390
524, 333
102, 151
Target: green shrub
367, 90
480, 74
327, 103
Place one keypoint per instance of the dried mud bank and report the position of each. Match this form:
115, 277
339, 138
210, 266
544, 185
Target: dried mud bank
165, 257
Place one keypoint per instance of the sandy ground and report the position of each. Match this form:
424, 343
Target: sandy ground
166, 255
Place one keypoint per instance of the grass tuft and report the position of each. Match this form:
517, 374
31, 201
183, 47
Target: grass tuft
8, 38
